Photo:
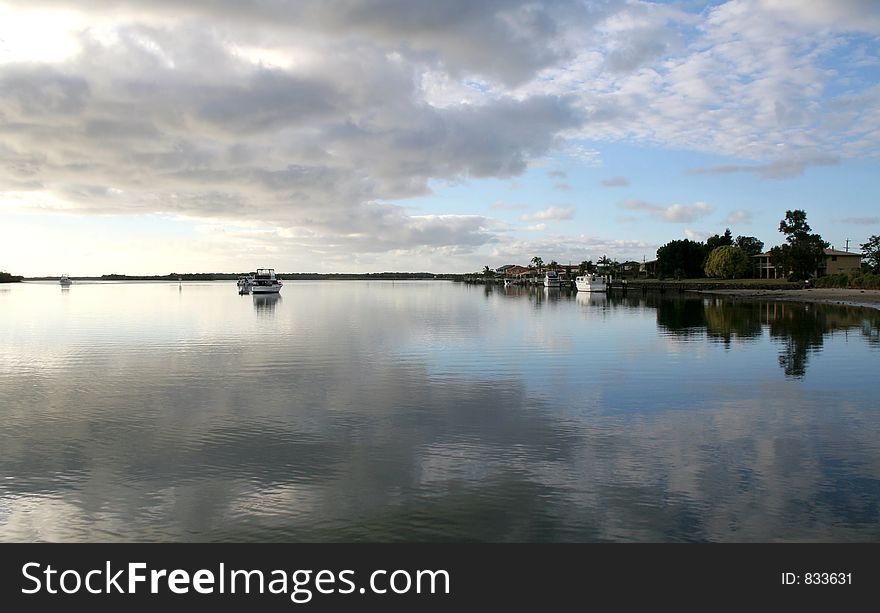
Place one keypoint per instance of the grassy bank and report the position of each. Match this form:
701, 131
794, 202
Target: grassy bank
856, 280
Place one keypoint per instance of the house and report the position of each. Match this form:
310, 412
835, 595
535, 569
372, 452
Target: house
648, 269
834, 262
512, 270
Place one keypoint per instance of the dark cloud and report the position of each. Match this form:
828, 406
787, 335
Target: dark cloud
784, 168
508, 40
862, 221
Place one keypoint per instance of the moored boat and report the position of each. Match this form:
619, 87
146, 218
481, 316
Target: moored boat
65, 280
551, 279
591, 282
265, 282
245, 283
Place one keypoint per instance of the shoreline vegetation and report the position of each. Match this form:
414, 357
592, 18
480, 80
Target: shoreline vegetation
6, 277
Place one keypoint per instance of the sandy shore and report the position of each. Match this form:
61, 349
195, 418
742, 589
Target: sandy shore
850, 297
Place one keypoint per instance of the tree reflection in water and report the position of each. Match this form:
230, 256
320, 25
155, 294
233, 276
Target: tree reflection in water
799, 328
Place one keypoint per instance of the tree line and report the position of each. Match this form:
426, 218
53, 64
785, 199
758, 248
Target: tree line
724, 257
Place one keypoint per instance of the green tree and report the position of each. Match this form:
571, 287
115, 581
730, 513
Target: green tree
750, 244
553, 265
727, 262
6, 277
871, 253
488, 272
713, 242
800, 256
538, 263
681, 258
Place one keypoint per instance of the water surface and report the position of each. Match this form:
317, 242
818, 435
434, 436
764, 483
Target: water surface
424, 411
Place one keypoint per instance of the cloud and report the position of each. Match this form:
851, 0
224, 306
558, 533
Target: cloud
575, 249
508, 40
138, 126
538, 227
697, 235
675, 213
861, 221
313, 116
552, 213
738, 217
503, 206
785, 168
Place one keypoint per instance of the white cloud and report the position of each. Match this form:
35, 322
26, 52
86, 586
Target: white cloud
564, 249
503, 206
616, 182
697, 235
675, 213
552, 213
738, 217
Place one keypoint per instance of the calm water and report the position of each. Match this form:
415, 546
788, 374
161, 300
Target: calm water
429, 411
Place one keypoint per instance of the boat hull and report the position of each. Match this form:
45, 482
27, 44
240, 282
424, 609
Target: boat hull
266, 289
551, 280
591, 284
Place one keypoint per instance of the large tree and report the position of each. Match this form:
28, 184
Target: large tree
802, 252
750, 244
727, 262
682, 257
538, 263
871, 253
713, 242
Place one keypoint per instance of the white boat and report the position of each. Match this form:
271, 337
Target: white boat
265, 282
591, 282
245, 284
65, 279
551, 279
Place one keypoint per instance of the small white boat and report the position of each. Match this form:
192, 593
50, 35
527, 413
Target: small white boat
551, 279
245, 284
265, 282
591, 283
65, 280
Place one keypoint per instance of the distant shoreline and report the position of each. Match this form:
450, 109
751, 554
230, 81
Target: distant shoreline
869, 298
291, 276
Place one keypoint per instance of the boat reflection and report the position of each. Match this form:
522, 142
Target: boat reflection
265, 304
592, 299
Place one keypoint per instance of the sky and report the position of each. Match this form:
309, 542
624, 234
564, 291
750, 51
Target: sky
158, 136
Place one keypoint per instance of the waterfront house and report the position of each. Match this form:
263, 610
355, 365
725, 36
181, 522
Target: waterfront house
834, 262
648, 269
